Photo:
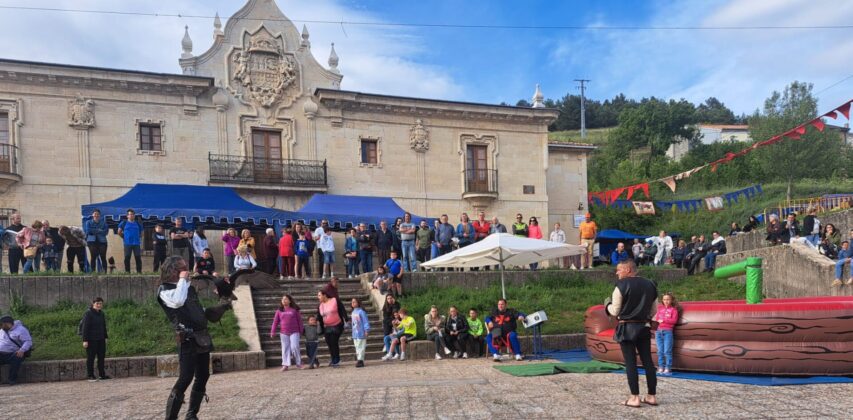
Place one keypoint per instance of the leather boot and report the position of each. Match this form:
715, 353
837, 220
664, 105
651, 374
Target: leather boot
173, 405
195, 405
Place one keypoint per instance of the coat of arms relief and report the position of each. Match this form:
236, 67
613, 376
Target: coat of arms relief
262, 75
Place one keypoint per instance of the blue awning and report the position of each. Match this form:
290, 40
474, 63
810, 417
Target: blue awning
209, 207
349, 210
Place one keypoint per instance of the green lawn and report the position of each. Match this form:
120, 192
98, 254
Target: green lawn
563, 297
134, 330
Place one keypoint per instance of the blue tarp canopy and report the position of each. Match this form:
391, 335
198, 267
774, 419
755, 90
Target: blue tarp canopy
349, 210
616, 235
209, 207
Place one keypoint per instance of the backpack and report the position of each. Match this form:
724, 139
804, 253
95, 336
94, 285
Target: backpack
80, 326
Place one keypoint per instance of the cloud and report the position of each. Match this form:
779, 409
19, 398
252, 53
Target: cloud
739, 67
372, 59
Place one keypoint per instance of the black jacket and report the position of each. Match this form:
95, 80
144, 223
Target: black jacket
94, 325
808, 224
638, 298
384, 240
458, 324
720, 247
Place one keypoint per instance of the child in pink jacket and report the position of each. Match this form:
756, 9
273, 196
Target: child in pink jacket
666, 317
288, 321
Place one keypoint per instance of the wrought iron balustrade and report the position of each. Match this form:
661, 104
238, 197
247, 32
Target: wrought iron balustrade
284, 172
9, 163
483, 181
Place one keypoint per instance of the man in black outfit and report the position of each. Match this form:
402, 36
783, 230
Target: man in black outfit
180, 302
16, 253
384, 242
633, 303
95, 337
700, 249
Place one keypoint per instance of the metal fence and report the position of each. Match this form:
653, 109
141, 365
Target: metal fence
288, 172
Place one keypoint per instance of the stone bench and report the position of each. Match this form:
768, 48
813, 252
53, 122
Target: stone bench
424, 349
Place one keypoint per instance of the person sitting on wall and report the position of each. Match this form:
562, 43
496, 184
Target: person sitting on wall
16, 344
845, 256
619, 254
649, 252
502, 324
718, 247
699, 251
678, 254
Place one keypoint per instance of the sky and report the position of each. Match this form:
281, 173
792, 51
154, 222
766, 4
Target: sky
489, 65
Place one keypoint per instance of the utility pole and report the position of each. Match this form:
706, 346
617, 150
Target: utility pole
582, 87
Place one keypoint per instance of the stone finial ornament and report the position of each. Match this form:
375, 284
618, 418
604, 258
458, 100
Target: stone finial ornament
217, 27
333, 60
187, 44
538, 98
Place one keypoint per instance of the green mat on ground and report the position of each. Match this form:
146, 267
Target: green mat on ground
539, 369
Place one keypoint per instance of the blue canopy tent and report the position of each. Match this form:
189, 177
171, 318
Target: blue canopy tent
209, 207
608, 238
344, 211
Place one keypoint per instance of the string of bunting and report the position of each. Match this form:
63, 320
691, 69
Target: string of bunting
714, 203
610, 196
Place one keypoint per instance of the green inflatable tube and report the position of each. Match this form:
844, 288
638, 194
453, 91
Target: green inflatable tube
754, 276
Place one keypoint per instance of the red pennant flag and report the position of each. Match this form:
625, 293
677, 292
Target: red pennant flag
642, 187
818, 123
614, 194
844, 109
792, 135
800, 130
831, 114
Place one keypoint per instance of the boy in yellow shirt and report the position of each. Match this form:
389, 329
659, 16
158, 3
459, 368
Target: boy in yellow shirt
409, 329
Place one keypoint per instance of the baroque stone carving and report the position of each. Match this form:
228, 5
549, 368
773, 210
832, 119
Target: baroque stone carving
261, 71
81, 112
419, 137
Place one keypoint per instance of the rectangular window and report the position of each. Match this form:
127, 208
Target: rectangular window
369, 152
529, 189
266, 149
4, 128
476, 170
150, 138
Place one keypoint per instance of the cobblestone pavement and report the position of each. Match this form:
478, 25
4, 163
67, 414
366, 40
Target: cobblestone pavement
422, 390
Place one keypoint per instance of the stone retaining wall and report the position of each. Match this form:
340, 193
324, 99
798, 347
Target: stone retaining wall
125, 367
49, 290
423, 349
482, 279
791, 271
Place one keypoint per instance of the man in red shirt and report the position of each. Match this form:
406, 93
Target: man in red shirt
481, 227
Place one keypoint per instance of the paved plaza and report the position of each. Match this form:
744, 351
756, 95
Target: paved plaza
423, 390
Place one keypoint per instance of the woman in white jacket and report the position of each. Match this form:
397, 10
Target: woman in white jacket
664, 244
199, 244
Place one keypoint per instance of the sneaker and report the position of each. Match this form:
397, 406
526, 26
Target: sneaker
519, 357
359, 364
836, 283
311, 367
446, 350
324, 277
666, 372
402, 356
104, 378
464, 355
281, 277
456, 355
386, 357
660, 370
334, 365
850, 281
496, 357
437, 356
300, 367
91, 379
396, 356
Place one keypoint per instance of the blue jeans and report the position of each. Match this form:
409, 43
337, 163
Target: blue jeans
513, 342
30, 264
410, 260
311, 350
664, 340
366, 259
388, 339
352, 266
710, 260
814, 239
839, 269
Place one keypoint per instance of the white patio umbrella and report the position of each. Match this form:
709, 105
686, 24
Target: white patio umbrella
504, 250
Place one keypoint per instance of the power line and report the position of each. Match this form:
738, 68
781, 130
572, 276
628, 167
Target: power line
446, 25
834, 84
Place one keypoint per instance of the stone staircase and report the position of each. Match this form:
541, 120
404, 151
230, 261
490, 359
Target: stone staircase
304, 292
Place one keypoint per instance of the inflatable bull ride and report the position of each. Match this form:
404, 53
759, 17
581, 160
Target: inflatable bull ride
800, 336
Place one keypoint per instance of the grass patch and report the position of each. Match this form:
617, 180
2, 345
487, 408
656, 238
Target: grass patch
134, 329
596, 136
563, 297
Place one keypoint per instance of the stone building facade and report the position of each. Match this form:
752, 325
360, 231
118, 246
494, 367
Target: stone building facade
257, 112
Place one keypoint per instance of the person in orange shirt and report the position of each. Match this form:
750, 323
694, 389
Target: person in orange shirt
588, 231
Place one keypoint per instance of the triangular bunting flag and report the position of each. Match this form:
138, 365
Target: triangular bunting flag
818, 123
845, 109
800, 130
831, 114
669, 182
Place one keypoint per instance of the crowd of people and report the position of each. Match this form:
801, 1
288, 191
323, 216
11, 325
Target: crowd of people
287, 254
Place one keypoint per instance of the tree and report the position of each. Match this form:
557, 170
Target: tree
816, 155
654, 124
712, 111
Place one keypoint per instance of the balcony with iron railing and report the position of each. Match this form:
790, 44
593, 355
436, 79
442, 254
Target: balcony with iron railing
481, 185
284, 174
10, 169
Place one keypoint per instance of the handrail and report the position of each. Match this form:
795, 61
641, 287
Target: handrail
9, 159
